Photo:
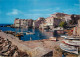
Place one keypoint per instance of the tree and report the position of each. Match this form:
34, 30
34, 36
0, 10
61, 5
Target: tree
63, 24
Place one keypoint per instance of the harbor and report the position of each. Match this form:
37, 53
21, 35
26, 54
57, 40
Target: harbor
25, 33
33, 48
38, 48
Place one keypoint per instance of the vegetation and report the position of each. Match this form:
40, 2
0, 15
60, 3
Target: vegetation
63, 24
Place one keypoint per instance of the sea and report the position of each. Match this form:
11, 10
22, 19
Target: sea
39, 35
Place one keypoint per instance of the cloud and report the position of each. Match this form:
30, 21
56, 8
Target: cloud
47, 10
40, 10
35, 14
14, 12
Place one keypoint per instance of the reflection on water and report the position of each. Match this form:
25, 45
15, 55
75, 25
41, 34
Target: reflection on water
39, 34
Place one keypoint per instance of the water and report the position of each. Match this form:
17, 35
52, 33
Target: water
37, 36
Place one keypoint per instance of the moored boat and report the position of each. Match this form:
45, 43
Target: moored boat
29, 33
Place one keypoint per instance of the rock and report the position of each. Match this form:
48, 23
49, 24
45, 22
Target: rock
7, 46
0, 42
2, 56
1, 48
3, 41
11, 53
5, 49
13, 47
15, 54
22, 54
4, 44
7, 53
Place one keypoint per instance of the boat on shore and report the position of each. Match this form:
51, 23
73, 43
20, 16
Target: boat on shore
71, 44
68, 48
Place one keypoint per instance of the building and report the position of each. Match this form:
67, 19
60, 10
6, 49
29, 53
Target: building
23, 23
64, 17
52, 22
71, 44
76, 30
17, 22
59, 15
29, 23
38, 22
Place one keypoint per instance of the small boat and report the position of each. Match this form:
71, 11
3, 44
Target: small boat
29, 33
52, 38
18, 35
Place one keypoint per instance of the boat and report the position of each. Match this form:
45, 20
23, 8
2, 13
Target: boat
71, 44
52, 38
70, 49
29, 33
18, 35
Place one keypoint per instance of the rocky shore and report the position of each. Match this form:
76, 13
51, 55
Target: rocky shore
7, 49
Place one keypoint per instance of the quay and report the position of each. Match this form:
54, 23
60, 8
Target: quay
36, 48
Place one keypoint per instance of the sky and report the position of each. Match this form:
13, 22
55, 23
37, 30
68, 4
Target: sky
32, 9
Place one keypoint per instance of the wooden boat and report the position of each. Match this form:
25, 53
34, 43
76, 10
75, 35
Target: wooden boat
52, 38
29, 33
18, 35
69, 48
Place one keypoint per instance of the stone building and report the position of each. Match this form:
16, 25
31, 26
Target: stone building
17, 22
64, 17
52, 22
59, 15
29, 23
76, 30
37, 22
22, 23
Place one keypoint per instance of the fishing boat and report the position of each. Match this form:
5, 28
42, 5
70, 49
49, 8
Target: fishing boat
19, 34
29, 33
68, 48
71, 44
